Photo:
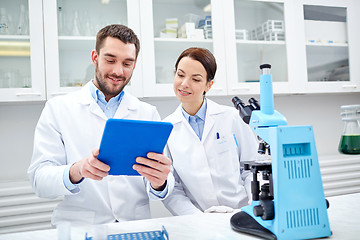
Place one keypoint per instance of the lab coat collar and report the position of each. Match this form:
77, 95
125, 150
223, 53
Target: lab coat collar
128, 103
213, 109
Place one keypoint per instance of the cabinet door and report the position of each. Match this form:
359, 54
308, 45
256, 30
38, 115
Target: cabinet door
22, 75
256, 34
70, 33
332, 45
171, 26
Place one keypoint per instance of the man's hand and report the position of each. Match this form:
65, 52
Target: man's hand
89, 167
156, 170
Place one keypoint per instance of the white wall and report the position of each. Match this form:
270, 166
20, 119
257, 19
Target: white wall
18, 121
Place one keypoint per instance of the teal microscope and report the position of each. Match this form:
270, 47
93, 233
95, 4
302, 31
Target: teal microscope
291, 203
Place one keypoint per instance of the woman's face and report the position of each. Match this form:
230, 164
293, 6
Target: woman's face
190, 82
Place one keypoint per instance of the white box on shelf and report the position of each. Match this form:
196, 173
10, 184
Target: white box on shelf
196, 34
186, 29
260, 37
260, 30
171, 23
275, 36
253, 35
208, 34
168, 33
242, 34
273, 26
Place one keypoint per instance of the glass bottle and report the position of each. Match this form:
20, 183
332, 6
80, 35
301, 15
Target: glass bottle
4, 23
61, 24
21, 28
350, 139
76, 24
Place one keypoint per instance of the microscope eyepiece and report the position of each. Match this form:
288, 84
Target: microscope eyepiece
265, 66
254, 104
244, 111
237, 103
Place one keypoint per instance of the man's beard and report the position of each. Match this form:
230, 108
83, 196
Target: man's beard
104, 88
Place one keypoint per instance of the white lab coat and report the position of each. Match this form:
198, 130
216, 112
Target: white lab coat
69, 128
207, 172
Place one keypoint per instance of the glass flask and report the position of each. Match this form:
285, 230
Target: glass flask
350, 139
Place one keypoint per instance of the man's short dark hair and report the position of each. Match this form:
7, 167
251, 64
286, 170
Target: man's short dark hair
121, 32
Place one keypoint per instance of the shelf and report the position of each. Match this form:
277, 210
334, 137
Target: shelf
257, 42
182, 40
77, 38
14, 37
327, 44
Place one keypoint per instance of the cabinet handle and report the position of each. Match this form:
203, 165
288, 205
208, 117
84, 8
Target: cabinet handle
28, 94
58, 93
241, 89
349, 86
216, 89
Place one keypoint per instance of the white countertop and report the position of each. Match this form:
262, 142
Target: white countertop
343, 213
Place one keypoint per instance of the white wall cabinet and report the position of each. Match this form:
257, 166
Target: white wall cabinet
325, 47
313, 45
22, 75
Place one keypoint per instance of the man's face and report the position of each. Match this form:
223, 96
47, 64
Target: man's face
114, 64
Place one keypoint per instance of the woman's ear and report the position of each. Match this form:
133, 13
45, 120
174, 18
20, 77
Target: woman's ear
208, 85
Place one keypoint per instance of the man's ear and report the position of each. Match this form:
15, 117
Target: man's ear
94, 57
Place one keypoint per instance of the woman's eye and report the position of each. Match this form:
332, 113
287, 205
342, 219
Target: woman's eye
109, 61
180, 75
196, 80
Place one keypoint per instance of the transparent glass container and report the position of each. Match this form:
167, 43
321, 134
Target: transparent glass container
15, 68
350, 138
78, 22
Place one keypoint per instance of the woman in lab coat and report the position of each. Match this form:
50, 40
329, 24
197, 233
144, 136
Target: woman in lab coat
207, 143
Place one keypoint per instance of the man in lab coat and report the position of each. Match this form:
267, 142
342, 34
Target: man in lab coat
68, 134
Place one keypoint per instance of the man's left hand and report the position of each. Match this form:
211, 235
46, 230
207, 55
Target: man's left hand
156, 170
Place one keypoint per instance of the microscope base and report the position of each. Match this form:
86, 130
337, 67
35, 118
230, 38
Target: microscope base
243, 222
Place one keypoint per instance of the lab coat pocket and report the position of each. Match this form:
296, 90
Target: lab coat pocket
227, 157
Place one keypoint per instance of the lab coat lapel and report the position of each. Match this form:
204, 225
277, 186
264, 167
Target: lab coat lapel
125, 108
211, 111
86, 99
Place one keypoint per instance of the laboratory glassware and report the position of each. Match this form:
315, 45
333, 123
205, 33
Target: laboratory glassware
350, 138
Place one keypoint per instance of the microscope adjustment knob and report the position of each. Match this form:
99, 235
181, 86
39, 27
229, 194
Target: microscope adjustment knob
258, 211
265, 210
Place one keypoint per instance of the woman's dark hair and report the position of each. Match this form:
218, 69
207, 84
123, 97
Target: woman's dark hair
204, 56
121, 32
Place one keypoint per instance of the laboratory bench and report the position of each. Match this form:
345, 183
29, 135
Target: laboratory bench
344, 212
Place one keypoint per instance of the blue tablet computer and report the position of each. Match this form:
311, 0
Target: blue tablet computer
124, 140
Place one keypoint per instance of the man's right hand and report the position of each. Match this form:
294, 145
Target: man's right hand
89, 167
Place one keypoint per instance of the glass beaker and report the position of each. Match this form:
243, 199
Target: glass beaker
350, 139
